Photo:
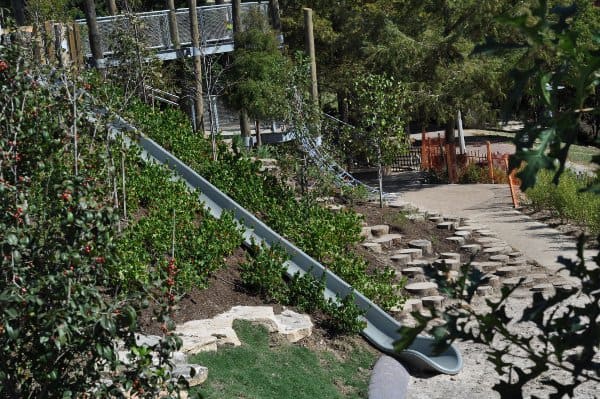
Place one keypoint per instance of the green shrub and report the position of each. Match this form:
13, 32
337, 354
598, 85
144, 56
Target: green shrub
306, 292
568, 200
264, 273
345, 316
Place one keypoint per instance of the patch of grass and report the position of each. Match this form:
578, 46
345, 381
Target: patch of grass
582, 154
255, 370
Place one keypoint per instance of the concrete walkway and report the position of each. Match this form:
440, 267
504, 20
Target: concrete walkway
490, 205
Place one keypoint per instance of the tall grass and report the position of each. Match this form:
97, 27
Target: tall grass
567, 200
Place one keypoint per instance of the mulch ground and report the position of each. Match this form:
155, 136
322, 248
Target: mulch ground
225, 289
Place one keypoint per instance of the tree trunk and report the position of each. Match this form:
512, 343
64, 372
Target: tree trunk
380, 174
18, 7
94, 34
245, 127
198, 95
112, 7
274, 14
451, 156
258, 138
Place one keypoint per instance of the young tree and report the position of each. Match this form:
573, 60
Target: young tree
380, 105
260, 73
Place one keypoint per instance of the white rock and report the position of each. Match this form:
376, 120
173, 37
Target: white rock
200, 373
380, 230
293, 326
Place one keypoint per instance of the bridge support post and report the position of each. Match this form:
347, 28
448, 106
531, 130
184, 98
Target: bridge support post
197, 57
112, 7
173, 28
237, 28
94, 34
310, 49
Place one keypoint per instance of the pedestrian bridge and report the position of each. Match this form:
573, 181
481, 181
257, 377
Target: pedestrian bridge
215, 24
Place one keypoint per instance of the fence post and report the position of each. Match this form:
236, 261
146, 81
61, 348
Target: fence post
49, 41
489, 160
511, 183
423, 150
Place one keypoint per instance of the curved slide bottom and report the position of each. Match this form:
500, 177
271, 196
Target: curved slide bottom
381, 330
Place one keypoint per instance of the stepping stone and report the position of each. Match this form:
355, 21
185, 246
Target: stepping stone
419, 263
485, 290
293, 326
412, 272
493, 281
456, 240
451, 264
512, 271
365, 232
399, 204
372, 246
422, 289
513, 281
413, 252
436, 219
416, 217
450, 255
515, 254
516, 262
471, 248
433, 302
455, 219
463, 233
495, 250
401, 259
538, 278
388, 240
486, 267
380, 230
446, 225
485, 240
412, 305
466, 228
542, 288
499, 258
487, 233
424, 245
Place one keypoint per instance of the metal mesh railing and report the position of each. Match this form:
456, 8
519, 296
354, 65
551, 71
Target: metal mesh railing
214, 22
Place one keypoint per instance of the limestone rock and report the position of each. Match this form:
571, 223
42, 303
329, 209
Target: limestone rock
451, 264
485, 290
471, 248
195, 377
401, 259
424, 245
456, 239
372, 246
422, 289
380, 230
446, 225
413, 252
293, 326
433, 302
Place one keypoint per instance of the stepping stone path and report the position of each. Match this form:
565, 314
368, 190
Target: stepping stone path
486, 267
424, 245
542, 288
388, 240
485, 290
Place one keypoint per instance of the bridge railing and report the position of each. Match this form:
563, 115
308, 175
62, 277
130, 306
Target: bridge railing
214, 22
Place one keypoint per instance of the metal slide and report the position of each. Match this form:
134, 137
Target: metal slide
381, 330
